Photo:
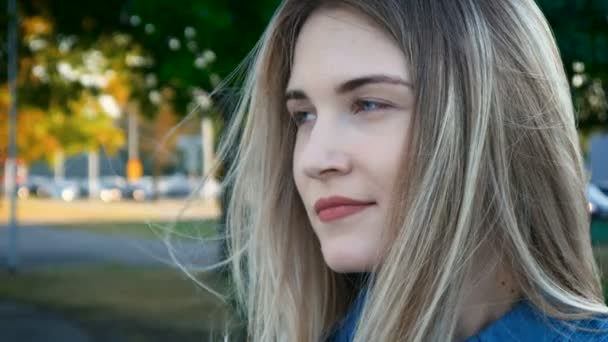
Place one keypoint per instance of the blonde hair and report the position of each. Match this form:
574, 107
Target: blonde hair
497, 165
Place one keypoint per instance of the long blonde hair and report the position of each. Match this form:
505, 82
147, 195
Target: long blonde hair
497, 165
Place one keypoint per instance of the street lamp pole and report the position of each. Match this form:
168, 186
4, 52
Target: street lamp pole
12, 129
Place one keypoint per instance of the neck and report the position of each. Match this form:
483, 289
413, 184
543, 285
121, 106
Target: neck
489, 292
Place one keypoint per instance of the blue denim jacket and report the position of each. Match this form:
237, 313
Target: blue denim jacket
523, 323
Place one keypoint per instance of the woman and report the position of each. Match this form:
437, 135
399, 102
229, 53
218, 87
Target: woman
409, 170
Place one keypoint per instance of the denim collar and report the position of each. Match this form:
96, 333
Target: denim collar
523, 322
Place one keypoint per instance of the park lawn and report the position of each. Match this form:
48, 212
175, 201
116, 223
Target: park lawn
599, 232
149, 230
36, 211
139, 304
146, 304
599, 237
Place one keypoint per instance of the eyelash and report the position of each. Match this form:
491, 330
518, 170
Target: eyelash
299, 116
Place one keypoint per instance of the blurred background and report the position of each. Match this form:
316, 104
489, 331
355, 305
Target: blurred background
115, 126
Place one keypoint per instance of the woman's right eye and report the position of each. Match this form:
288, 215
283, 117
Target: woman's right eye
302, 117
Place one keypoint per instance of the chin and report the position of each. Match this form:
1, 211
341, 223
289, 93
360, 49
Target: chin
347, 259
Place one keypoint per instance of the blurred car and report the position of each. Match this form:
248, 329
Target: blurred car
83, 184
112, 189
598, 202
30, 186
66, 190
175, 186
603, 187
211, 189
140, 190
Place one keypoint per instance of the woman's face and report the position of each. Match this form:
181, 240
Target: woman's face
350, 95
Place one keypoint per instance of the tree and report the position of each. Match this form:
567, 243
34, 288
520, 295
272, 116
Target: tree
72, 89
581, 31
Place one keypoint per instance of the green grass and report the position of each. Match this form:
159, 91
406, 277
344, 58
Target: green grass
149, 304
599, 232
148, 230
599, 237
142, 304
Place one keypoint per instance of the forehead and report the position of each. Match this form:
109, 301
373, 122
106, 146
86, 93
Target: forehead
339, 44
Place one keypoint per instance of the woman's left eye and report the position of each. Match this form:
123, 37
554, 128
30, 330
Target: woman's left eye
368, 106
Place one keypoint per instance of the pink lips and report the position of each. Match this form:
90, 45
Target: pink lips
337, 207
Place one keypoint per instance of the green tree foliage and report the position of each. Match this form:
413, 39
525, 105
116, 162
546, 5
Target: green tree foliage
581, 30
77, 86
197, 43
231, 28
151, 48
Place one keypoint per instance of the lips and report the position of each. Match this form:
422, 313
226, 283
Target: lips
337, 207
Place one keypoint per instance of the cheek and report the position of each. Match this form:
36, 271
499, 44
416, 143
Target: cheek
388, 163
297, 171
295, 162
383, 157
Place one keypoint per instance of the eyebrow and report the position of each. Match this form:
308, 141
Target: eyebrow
351, 85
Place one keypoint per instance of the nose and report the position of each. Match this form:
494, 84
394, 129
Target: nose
325, 152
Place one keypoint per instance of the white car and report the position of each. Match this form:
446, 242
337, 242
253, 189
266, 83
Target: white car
598, 202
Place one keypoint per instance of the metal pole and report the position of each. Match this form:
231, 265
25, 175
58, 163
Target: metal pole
12, 129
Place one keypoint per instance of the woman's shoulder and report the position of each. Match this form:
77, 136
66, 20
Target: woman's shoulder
525, 323
595, 329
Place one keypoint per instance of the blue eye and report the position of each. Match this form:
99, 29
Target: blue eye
368, 106
300, 118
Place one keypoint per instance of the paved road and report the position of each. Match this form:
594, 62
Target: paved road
41, 247
25, 323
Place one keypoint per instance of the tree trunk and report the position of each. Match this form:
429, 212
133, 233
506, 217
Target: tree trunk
93, 171
59, 166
